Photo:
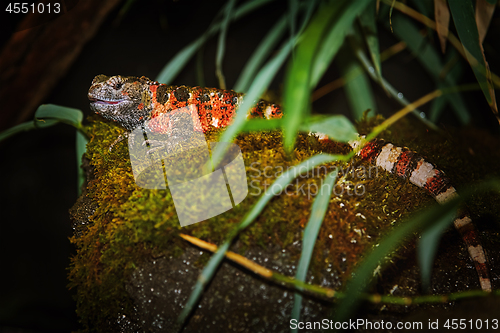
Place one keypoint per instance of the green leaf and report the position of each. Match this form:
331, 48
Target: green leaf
219, 56
253, 125
81, 147
297, 84
465, 23
318, 211
428, 244
426, 8
357, 86
259, 85
398, 97
170, 71
267, 45
368, 25
439, 103
27, 126
45, 116
337, 127
429, 58
334, 38
59, 113
293, 8
319, 43
260, 54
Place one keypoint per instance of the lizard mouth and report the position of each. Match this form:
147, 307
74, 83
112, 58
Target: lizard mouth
105, 101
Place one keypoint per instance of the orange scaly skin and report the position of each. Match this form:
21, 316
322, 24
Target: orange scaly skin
138, 101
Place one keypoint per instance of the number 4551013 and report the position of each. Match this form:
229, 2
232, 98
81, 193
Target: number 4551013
39, 8
471, 324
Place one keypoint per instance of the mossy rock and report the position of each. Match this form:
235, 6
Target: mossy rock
133, 272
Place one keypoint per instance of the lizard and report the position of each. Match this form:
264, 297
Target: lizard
138, 101
134, 102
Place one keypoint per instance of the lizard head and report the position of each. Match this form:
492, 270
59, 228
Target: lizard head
124, 99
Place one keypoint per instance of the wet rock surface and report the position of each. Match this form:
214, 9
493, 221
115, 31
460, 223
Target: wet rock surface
235, 301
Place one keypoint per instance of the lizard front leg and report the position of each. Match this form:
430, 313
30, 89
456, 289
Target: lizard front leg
181, 129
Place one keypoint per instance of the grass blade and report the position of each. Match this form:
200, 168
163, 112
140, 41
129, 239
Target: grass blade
368, 25
430, 60
259, 85
318, 211
389, 244
357, 86
319, 43
260, 54
484, 13
170, 71
267, 44
253, 125
398, 96
27, 126
221, 45
442, 18
81, 147
346, 12
454, 73
427, 246
61, 114
297, 84
45, 116
465, 23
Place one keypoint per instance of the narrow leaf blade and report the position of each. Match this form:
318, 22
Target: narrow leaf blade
442, 17
63, 114
368, 24
318, 211
465, 23
357, 85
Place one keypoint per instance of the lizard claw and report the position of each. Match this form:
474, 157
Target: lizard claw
118, 139
154, 146
153, 143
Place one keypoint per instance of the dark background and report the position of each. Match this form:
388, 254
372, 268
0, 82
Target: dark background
38, 168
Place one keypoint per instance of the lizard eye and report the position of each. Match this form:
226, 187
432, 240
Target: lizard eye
118, 85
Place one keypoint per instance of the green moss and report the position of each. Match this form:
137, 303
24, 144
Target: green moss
132, 224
